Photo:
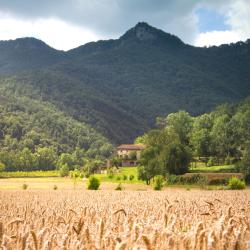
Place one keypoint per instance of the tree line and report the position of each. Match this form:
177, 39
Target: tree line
219, 137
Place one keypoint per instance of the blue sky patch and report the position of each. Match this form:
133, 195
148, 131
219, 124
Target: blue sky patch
210, 20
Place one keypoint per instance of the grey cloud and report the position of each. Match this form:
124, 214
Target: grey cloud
110, 18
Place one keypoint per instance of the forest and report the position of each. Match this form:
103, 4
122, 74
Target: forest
119, 86
216, 138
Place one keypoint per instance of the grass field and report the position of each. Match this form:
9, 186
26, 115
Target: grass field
173, 219
201, 168
31, 174
119, 177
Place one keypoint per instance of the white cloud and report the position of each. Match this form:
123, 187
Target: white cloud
65, 24
54, 32
237, 17
216, 38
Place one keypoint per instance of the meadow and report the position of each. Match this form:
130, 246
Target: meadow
172, 219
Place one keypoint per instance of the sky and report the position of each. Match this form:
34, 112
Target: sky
66, 24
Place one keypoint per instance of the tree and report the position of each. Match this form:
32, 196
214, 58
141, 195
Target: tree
27, 160
181, 122
116, 162
245, 164
66, 159
200, 137
46, 158
175, 158
224, 136
148, 169
92, 166
64, 170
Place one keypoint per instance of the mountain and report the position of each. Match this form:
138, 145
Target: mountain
26, 54
120, 86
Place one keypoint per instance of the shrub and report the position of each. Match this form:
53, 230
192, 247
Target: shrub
125, 177
93, 183
74, 173
119, 187
158, 182
118, 178
64, 170
194, 179
218, 181
55, 187
24, 186
131, 177
235, 183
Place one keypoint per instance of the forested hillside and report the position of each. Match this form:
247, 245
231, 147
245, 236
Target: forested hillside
34, 133
119, 87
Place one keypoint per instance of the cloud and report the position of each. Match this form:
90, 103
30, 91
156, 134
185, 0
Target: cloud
105, 19
54, 32
110, 18
216, 38
237, 18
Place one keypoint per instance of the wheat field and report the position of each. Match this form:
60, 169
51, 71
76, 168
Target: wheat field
172, 219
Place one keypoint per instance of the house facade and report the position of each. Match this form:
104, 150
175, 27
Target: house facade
130, 153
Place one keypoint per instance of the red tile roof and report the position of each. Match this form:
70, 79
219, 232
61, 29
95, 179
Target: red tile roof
131, 147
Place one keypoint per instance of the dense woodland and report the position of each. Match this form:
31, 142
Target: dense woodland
69, 109
220, 137
34, 135
119, 86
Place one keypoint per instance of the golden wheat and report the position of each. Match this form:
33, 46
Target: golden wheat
174, 219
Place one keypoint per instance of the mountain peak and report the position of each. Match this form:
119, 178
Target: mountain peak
25, 43
143, 32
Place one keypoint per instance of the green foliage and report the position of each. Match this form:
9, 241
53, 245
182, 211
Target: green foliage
235, 183
158, 182
210, 162
93, 183
181, 124
55, 187
118, 178
25, 186
183, 180
64, 170
131, 177
125, 177
216, 169
2, 167
31, 174
34, 134
245, 165
116, 162
176, 158
92, 166
135, 81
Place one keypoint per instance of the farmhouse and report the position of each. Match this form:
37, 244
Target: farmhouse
130, 153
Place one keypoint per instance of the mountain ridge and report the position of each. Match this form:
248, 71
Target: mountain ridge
120, 86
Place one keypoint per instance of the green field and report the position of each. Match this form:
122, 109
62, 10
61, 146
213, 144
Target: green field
31, 174
119, 176
201, 168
